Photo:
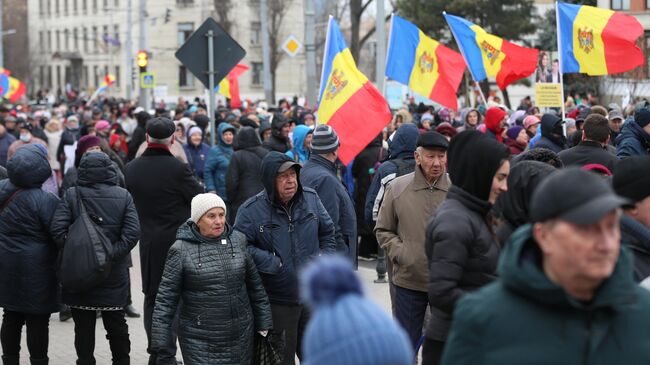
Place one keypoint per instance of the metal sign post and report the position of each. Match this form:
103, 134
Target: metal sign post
211, 109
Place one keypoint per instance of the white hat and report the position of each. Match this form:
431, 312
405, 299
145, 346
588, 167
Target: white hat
204, 202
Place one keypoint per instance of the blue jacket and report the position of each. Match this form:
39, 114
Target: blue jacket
299, 135
633, 141
5, 141
401, 148
28, 254
283, 240
320, 175
217, 164
196, 157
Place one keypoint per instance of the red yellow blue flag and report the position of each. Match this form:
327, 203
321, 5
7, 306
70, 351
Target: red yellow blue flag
347, 101
487, 55
597, 41
426, 66
16, 90
229, 86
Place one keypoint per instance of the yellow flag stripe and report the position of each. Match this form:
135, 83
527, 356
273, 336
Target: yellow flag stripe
424, 74
588, 46
343, 81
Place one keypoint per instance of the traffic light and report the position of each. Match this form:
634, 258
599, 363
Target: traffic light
143, 60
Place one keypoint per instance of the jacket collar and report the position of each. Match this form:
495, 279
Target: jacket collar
420, 182
322, 161
155, 150
591, 144
482, 207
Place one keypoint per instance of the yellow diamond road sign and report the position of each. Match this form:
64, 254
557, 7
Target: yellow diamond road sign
292, 46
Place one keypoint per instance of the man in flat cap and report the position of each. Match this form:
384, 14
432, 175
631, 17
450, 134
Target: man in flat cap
409, 202
162, 188
565, 293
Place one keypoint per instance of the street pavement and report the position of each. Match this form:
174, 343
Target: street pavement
62, 352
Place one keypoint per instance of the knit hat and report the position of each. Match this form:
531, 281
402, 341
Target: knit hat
513, 132
324, 140
346, 328
446, 129
642, 117
193, 130
102, 125
201, 203
530, 121
632, 178
83, 145
426, 116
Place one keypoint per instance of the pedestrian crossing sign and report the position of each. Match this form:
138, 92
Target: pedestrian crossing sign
147, 80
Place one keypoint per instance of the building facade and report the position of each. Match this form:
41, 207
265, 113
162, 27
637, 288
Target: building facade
75, 43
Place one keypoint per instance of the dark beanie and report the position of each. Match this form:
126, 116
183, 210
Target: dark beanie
642, 117
83, 145
632, 178
324, 140
473, 159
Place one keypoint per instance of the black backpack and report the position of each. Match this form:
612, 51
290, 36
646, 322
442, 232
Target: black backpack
87, 255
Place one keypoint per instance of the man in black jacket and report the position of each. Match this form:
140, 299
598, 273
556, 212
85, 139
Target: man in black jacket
279, 140
162, 188
593, 148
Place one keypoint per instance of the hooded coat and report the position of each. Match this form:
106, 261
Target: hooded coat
401, 161
319, 174
552, 134
514, 204
5, 141
223, 299
283, 240
197, 156
632, 141
363, 171
217, 164
466, 126
162, 188
636, 237
526, 318
277, 142
97, 183
28, 254
298, 153
460, 246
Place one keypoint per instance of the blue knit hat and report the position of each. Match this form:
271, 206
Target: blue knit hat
346, 328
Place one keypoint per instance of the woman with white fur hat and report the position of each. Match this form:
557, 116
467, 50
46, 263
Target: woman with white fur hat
223, 300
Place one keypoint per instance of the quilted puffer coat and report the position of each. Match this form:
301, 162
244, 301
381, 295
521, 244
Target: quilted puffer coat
223, 300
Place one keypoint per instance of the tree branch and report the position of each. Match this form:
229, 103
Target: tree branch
364, 6
371, 32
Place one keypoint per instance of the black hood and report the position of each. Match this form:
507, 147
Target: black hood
29, 167
246, 138
404, 141
524, 177
550, 124
473, 159
277, 123
270, 165
95, 168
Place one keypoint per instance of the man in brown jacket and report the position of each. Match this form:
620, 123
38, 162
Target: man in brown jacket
409, 203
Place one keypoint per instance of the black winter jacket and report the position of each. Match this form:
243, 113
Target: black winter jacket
462, 256
363, 171
221, 297
588, 152
102, 198
162, 188
28, 254
283, 240
277, 142
636, 236
244, 175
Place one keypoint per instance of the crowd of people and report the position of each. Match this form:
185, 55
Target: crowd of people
507, 234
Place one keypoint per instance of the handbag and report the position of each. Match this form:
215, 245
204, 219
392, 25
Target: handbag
268, 350
87, 253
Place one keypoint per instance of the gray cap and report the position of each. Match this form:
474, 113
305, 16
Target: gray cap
615, 114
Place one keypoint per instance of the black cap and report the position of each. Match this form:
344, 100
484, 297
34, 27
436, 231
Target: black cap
557, 198
632, 178
160, 128
432, 139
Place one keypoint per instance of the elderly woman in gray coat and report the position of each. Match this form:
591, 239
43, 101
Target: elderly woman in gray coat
223, 300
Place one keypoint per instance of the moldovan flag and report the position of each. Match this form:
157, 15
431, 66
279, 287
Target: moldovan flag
597, 41
490, 56
347, 101
16, 90
426, 66
229, 86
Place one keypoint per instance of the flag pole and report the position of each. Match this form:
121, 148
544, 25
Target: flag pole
559, 56
462, 52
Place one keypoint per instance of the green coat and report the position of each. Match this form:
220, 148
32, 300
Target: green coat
523, 318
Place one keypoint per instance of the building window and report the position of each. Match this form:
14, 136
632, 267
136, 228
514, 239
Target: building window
94, 6
41, 41
75, 35
94, 39
58, 41
621, 4
85, 39
117, 3
185, 78
96, 73
105, 6
56, 7
84, 75
49, 7
256, 31
58, 76
41, 10
116, 31
66, 40
74, 7
49, 41
117, 76
65, 7
257, 72
84, 6
184, 32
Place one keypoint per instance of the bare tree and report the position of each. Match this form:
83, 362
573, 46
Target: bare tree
277, 11
222, 10
357, 8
